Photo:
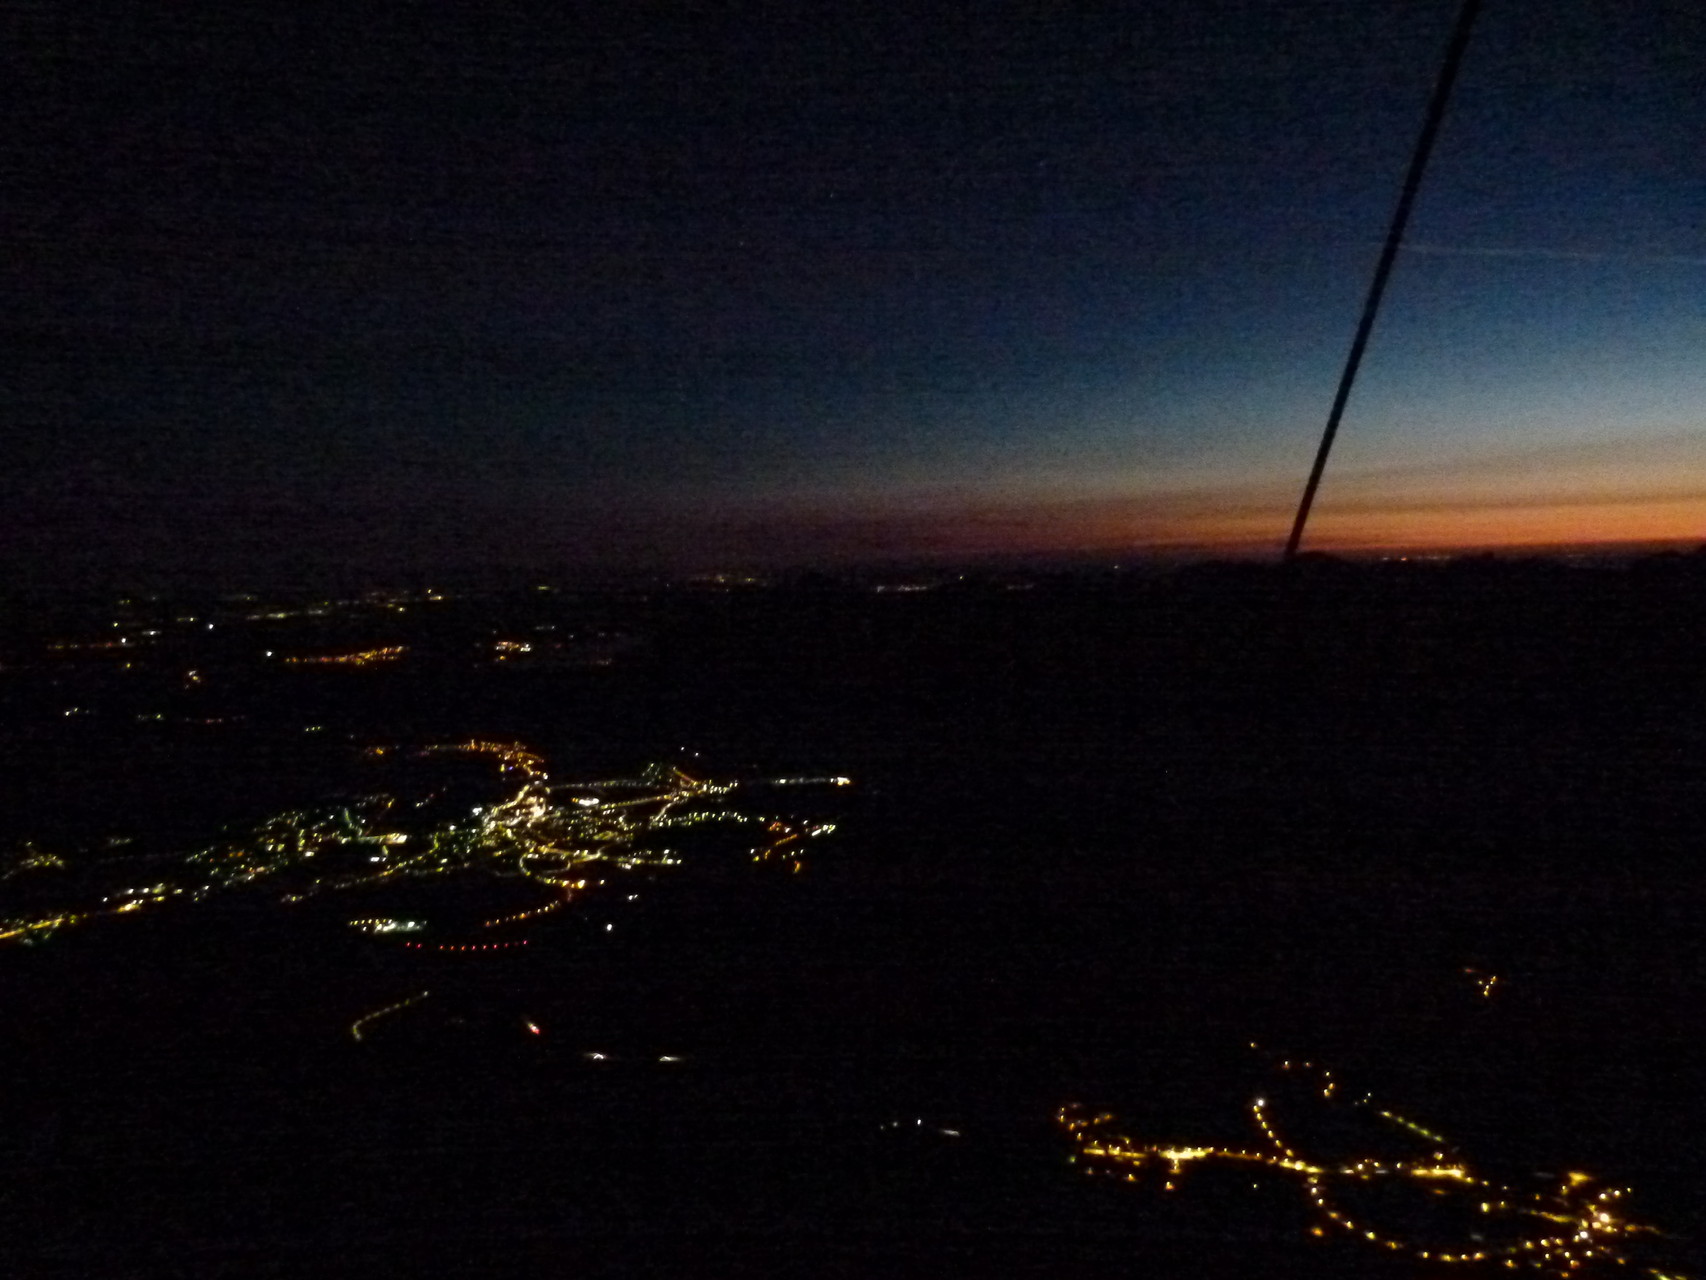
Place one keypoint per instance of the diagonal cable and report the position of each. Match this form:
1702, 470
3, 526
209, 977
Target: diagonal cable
1394, 237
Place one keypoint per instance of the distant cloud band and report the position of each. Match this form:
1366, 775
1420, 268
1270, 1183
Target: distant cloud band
1561, 255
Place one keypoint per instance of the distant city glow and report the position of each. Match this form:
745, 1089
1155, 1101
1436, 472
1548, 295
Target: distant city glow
543, 834
358, 658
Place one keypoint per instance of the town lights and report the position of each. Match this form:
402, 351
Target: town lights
1554, 1231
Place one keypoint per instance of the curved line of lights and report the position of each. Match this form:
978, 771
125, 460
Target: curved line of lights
1561, 1229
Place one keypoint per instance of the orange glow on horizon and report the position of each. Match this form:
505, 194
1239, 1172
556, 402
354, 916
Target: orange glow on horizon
1441, 527
1242, 528
1518, 525
1557, 498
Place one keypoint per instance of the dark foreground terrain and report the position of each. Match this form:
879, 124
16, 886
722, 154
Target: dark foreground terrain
1103, 834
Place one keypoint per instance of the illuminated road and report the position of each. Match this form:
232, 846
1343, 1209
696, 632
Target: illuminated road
1458, 1215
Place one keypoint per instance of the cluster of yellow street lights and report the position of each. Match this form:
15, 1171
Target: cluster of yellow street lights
509, 755
1558, 1229
1484, 981
540, 832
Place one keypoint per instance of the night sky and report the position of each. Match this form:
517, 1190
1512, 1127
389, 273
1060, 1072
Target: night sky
702, 285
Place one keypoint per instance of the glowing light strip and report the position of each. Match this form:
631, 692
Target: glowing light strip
1592, 1230
355, 1028
362, 658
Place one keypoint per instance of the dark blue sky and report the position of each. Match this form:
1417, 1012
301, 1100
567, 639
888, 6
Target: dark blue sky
740, 283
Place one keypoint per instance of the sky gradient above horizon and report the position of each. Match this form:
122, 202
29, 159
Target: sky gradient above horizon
706, 287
